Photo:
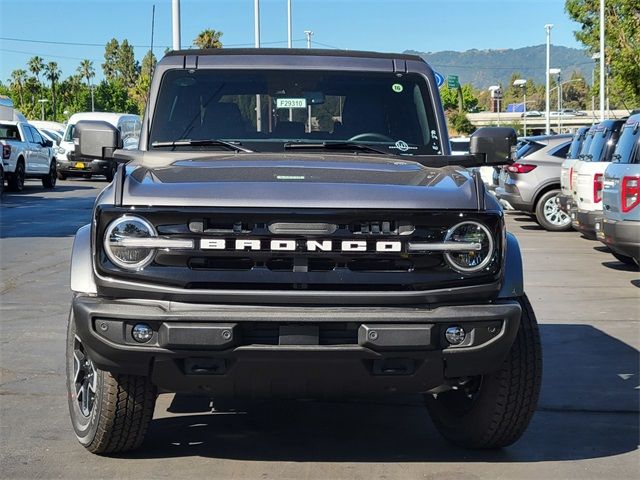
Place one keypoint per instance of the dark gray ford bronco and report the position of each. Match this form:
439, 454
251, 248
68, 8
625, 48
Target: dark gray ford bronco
294, 226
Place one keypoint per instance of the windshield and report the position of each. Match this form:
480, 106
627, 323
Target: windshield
576, 144
68, 134
55, 136
627, 141
584, 149
267, 109
598, 144
528, 148
9, 132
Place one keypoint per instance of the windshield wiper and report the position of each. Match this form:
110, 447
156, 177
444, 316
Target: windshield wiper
335, 146
203, 143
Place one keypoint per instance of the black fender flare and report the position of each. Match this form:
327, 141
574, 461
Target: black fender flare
513, 280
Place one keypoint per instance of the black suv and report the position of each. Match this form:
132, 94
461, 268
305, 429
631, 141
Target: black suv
294, 225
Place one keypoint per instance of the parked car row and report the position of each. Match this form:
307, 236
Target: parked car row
532, 183
588, 182
45, 150
566, 112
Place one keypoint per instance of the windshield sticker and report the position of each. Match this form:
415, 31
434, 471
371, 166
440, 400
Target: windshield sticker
402, 146
291, 103
396, 87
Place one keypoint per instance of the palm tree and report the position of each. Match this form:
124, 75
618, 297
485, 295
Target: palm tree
18, 77
36, 65
53, 75
86, 71
208, 39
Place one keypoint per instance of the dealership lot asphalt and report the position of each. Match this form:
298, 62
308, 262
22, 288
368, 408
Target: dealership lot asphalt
586, 426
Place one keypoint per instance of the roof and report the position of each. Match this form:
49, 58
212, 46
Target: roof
306, 52
544, 138
106, 116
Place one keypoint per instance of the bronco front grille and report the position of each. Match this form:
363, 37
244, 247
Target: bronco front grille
301, 266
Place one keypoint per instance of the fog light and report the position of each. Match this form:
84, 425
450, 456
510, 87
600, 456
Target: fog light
141, 333
455, 335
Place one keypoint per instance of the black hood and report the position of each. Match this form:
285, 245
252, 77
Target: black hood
294, 180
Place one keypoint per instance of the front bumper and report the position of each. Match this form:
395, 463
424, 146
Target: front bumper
244, 351
79, 168
585, 221
622, 237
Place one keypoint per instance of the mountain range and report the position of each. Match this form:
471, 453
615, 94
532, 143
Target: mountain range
483, 68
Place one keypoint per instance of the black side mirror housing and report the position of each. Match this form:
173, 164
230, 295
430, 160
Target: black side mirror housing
96, 139
493, 145
48, 143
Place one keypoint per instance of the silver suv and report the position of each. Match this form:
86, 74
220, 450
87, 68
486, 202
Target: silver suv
532, 183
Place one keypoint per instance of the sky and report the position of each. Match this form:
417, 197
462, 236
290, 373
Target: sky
380, 25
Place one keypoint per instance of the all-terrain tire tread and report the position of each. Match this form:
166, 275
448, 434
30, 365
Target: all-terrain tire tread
520, 380
127, 408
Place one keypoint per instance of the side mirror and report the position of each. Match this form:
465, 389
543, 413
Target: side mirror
95, 139
493, 145
48, 143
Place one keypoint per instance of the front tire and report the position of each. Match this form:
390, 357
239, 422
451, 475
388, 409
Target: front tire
110, 413
494, 410
549, 215
50, 180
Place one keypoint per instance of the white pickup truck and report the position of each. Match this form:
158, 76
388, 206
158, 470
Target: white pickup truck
26, 154
587, 177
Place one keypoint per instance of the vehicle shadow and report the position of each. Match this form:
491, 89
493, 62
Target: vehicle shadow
620, 266
38, 216
588, 409
535, 226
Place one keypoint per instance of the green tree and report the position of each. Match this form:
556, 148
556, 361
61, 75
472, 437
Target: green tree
622, 43
449, 97
53, 73
459, 123
113, 96
140, 91
18, 78
208, 39
126, 64
36, 65
86, 71
110, 65
576, 92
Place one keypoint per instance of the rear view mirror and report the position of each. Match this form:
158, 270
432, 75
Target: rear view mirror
493, 145
96, 139
48, 143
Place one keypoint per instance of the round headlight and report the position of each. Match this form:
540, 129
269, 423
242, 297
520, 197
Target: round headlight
115, 242
477, 257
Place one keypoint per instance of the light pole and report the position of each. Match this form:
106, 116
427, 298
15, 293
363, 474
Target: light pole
594, 57
256, 30
175, 15
42, 101
496, 94
521, 82
557, 71
308, 33
289, 41
548, 28
602, 60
